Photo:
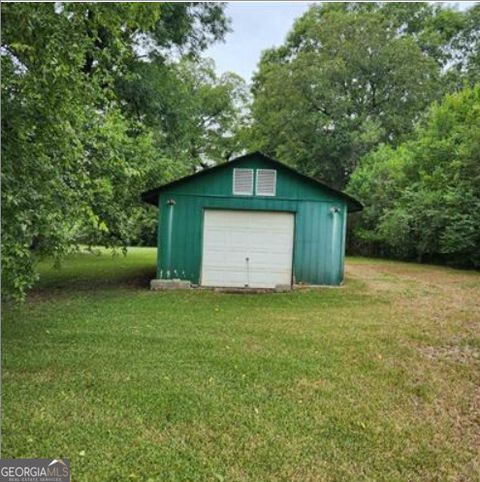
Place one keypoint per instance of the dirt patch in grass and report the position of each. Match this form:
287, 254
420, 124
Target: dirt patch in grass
435, 292
456, 353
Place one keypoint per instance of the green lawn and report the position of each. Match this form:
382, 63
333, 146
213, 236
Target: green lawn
377, 380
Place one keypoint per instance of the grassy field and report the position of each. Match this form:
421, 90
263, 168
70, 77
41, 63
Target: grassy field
377, 380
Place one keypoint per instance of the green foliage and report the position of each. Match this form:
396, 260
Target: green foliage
349, 77
466, 47
194, 116
195, 113
74, 157
423, 198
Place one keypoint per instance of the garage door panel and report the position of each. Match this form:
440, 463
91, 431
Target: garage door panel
265, 243
247, 248
218, 277
279, 263
219, 259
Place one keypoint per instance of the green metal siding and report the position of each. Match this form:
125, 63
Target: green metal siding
319, 232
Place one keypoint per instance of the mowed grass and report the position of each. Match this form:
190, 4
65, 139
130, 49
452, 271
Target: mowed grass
376, 380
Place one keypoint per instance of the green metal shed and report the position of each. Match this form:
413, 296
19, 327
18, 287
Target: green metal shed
252, 222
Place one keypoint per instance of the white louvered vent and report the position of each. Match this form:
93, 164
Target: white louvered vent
243, 182
266, 182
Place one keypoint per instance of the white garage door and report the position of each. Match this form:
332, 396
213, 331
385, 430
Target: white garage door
247, 248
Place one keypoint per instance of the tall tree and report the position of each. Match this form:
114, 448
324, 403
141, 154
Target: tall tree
195, 117
348, 77
465, 48
72, 158
195, 112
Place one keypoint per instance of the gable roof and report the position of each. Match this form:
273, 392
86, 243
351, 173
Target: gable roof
151, 196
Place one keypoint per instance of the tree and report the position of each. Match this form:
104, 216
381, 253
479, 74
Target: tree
194, 115
423, 198
195, 112
349, 77
466, 48
72, 158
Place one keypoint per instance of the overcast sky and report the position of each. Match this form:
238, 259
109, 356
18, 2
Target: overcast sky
258, 26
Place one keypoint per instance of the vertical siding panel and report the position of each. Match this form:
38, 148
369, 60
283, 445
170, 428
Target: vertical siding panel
328, 252
303, 245
196, 243
319, 242
341, 267
298, 247
180, 259
315, 229
313, 241
317, 246
307, 229
322, 245
159, 237
332, 223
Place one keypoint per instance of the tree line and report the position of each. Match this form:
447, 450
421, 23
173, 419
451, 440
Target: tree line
102, 101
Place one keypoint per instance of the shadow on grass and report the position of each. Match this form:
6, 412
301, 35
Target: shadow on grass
97, 271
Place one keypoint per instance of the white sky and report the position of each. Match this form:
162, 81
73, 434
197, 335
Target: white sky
258, 26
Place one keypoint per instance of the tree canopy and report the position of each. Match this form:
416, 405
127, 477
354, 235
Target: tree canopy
351, 76
78, 144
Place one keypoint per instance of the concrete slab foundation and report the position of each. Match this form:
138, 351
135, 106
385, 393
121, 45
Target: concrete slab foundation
277, 289
170, 284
